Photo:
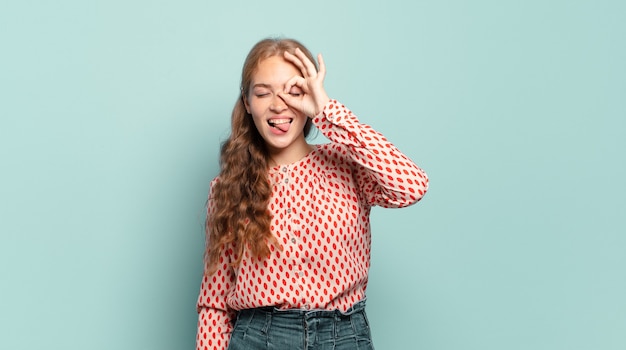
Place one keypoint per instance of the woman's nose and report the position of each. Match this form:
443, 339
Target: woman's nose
278, 105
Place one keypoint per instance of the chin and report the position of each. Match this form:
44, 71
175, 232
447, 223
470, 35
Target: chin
279, 144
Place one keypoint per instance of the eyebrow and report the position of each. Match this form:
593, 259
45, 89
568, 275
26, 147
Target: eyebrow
261, 85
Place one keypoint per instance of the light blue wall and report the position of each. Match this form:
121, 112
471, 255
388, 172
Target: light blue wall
112, 113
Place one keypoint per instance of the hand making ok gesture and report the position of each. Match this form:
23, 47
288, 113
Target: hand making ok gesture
313, 97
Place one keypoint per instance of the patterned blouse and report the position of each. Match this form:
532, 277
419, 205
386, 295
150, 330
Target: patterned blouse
320, 206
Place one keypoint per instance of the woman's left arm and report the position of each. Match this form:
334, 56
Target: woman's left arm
385, 175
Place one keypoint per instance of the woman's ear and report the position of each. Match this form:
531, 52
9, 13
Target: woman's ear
245, 101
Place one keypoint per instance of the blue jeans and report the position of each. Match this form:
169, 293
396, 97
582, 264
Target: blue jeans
274, 329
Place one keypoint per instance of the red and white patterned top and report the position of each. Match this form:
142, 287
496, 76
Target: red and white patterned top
320, 206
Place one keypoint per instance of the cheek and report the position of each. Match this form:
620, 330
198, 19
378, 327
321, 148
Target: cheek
257, 122
301, 118
256, 108
254, 113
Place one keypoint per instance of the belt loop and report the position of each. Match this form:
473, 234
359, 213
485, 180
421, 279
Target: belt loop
245, 318
268, 321
336, 322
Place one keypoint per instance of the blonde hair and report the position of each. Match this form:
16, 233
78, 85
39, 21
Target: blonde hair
240, 217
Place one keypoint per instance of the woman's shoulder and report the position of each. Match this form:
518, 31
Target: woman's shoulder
332, 154
333, 150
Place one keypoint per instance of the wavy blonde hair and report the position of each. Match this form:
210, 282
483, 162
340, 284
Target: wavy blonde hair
240, 197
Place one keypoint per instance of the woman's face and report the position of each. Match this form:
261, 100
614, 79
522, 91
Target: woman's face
280, 126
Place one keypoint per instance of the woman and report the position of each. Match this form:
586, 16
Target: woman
288, 233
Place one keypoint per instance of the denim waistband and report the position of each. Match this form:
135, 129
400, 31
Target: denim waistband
302, 329
305, 313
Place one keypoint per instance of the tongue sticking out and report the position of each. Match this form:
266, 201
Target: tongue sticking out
282, 125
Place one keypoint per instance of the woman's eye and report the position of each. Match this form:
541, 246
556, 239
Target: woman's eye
262, 95
295, 91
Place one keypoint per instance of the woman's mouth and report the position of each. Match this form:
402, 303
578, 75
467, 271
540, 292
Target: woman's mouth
280, 124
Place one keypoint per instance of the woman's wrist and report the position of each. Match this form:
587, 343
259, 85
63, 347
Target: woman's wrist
321, 105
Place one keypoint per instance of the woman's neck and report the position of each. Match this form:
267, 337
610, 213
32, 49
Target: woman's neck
289, 155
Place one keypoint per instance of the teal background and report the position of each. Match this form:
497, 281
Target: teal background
112, 113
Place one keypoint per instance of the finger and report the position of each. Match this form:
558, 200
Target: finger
294, 81
296, 62
291, 101
322, 72
286, 98
310, 67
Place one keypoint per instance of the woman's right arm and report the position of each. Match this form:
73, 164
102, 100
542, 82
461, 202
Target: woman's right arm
215, 318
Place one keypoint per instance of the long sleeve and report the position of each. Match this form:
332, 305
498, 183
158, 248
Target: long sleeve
215, 318
385, 175
320, 207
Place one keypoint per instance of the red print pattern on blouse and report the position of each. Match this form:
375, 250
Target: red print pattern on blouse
320, 206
